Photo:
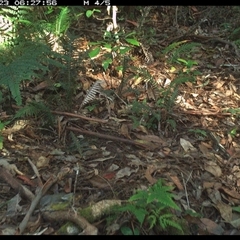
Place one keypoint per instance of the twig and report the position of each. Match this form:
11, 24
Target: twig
39, 195
185, 187
35, 170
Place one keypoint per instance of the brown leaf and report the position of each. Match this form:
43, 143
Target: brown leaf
225, 211
109, 175
148, 174
27, 180
68, 185
203, 148
212, 227
177, 182
213, 168
41, 86
231, 193
98, 182
124, 131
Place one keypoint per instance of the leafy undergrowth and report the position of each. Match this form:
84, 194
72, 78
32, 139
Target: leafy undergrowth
128, 132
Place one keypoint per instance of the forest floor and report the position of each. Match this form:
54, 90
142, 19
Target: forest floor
109, 147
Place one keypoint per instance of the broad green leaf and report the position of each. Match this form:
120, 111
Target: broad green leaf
124, 50
106, 63
140, 214
132, 41
236, 209
1, 142
126, 230
89, 13
130, 34
94, 52
108, 46
2, 125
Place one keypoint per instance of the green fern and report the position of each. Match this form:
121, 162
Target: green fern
62, 21
36, 109
154, 205
31, 60
177, 49
165, 220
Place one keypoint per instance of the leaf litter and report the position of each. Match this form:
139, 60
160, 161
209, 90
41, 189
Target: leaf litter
202, 168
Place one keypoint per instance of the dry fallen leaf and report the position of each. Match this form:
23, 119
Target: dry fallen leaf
99, 182
231, 193
127, 171
177, 182
225, 211
212, 227
148, 174
213, 168
187, 146
124, 130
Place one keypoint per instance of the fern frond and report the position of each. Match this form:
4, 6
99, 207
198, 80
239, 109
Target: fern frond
166, 220
24, 67
62, 21
35, 109
92, 92
177, 49
162, 194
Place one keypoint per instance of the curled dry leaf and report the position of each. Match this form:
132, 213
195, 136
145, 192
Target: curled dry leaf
148, 174
177, 182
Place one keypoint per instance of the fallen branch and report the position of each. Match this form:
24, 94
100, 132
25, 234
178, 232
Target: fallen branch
37, 198
73, 115
88, 229
108, 137
18, 187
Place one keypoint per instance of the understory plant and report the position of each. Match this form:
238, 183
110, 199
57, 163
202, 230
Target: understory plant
152, 208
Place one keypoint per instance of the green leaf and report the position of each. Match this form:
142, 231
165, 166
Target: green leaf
140, 214
136, 231
130, 34
108, 46
124, 50
2, 125
138, 195
126, 230
1, 142
132, 41
94, 52
106, 63
236, 209
89, 13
